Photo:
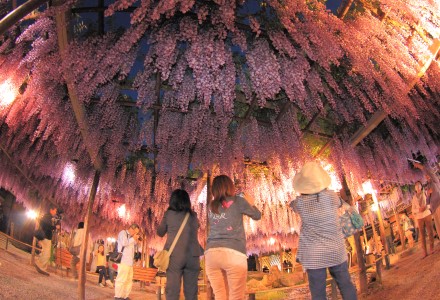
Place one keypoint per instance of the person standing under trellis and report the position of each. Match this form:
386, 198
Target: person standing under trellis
433, 192
185, 260
127, 239
321, 242
225, 256
47, 226
423, 217
75, 249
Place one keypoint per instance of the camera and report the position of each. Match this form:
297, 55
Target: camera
57, 219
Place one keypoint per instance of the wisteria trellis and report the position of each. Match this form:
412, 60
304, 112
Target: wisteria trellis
283, 61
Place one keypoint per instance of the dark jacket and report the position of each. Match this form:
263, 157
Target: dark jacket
47, 224
188, 242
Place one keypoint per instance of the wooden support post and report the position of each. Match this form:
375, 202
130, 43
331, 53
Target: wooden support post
379, 270
282, 259
400, 229
382, 235
258, 263
363, 284
83, 254
374, 229
12, 229
7, 242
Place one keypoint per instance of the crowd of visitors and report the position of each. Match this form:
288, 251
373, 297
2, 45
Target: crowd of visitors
322, 246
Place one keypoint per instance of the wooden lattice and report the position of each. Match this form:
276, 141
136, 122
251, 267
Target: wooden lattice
278, 259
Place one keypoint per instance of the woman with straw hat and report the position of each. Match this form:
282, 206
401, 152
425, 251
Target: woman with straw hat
321, 243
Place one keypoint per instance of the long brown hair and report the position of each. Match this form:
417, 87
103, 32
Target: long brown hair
102, 253
222, 187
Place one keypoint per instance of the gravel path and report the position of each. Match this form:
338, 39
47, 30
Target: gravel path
19, 280
410, 277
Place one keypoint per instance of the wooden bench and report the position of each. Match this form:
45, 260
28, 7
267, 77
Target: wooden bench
147, 275
62, 259
144, 274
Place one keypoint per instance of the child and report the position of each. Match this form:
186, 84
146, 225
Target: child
101, 267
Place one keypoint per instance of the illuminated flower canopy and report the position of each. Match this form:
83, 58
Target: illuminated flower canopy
247, 88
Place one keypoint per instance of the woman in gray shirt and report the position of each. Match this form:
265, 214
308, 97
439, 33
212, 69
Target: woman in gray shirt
225, 256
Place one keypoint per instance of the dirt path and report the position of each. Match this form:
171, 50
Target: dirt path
19, 280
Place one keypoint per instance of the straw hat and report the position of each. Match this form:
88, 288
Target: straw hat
311, 179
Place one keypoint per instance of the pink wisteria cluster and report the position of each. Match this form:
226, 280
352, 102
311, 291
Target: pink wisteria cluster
214, 87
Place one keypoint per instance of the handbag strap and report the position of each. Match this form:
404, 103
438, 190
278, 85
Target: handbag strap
128, 238
178, 233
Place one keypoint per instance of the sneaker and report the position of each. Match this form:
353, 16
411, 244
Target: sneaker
109, 283
101, 285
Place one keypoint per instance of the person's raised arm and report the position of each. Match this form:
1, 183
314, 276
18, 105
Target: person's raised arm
248, 208
162, 228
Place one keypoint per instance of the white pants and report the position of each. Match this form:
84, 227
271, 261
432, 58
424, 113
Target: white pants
124, 281
227, 272
43, 259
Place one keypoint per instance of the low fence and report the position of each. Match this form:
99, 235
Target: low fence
7, 240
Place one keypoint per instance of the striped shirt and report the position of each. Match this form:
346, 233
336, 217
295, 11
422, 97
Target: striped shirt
321, 243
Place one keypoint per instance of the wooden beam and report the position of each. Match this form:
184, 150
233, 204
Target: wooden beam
101, 18
325, 147
311, 121
94, 9
372, 123
155, 126
344, 8
19, 13
380, 115
78, 109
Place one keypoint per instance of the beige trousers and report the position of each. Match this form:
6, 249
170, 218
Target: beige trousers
426, 222
44, 257
124, 281
227, 273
